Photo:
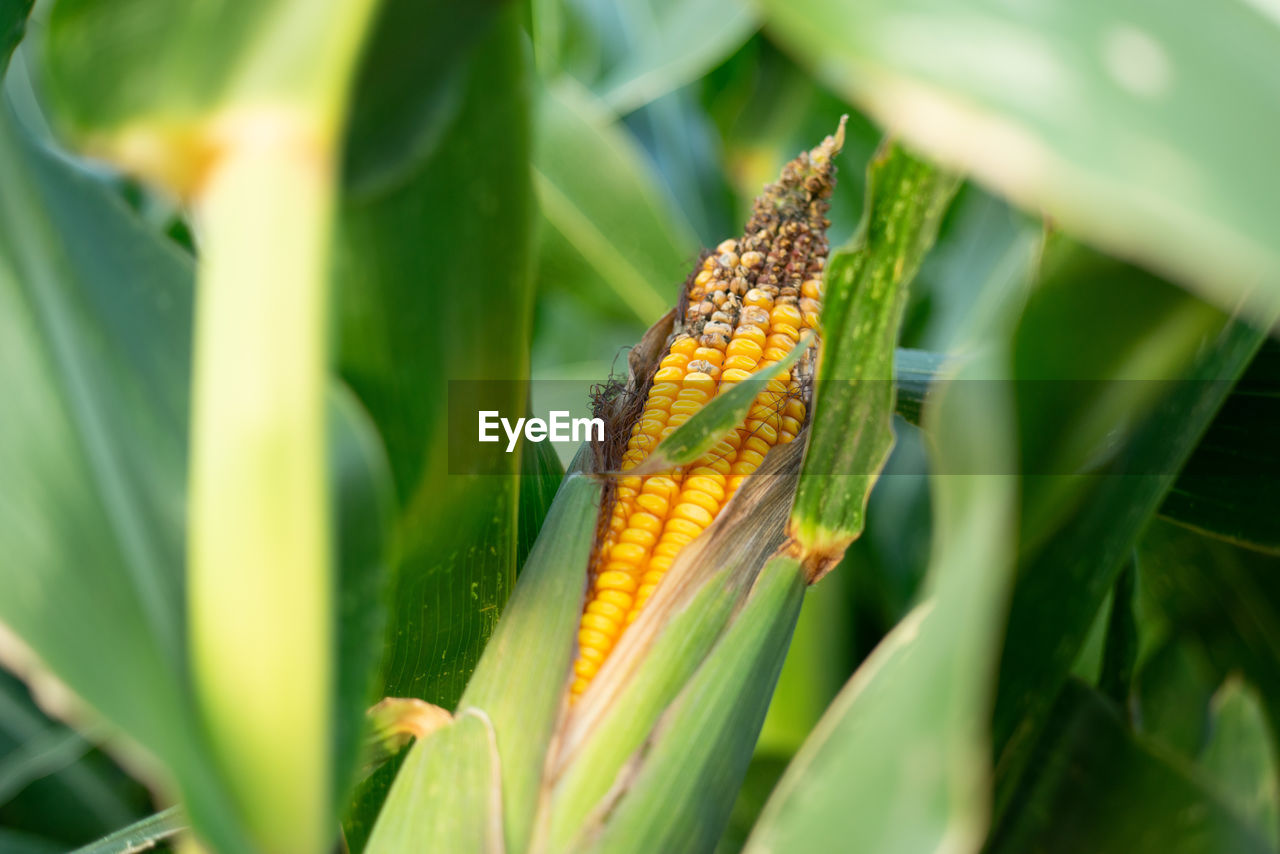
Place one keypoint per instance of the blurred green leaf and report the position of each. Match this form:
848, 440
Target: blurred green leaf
206, 74
1120, 655
1099, 788
392, 128
98, 326
141, 835
422, 269
431, 273
1222, 600
45, 766
1137, 400
609, 234
1112, 118
866, 288
1230, 488
13, 20
96, 357
1172, 695
672, 44
1240, 759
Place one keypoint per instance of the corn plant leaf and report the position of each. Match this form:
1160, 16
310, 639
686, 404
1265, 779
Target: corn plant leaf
866, 288
1099, 788
98, 385
161, 111
432, 286
609, 233
1147, 407
540, 476
670, 45
1228, 487
519, 687
391, 129
1108, 117
694, 762
141, 835
13, 22
898, 760
456, 772
44, 765
103, 609
660, 652
721, 416
1228, 598
418, 289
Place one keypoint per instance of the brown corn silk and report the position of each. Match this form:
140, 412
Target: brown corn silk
743, 309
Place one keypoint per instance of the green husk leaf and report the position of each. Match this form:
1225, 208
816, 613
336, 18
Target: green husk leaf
448, 794
685, 779
658, 653
866, 289
724, 413
519, 686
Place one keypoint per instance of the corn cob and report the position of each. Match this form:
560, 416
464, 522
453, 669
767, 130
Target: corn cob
745, 309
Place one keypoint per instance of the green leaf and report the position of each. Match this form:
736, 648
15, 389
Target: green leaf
96, 339
431, 274
207, 75
541, 474
726, 411
608, 228
1099, 788
898, 762
1138, 399
13, 22
1228, 487
97, 331
47, 765
141, 835
672, 44
1240, 759
1226, 602
391, 128
421, 269
519, 686
693, 763
456, 773
866, 288
1125, 122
